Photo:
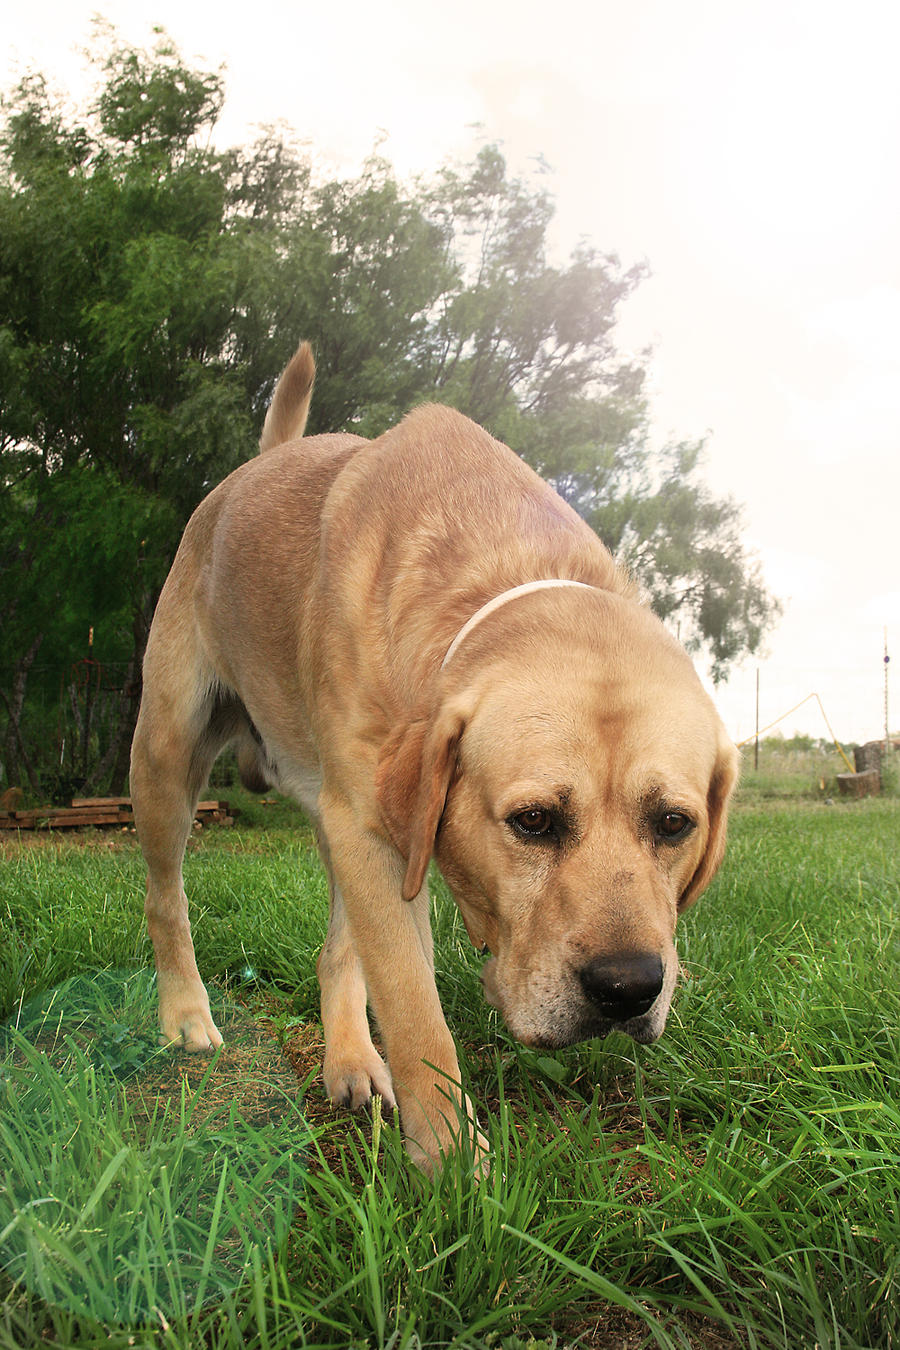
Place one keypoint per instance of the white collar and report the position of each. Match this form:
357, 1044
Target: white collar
504, 599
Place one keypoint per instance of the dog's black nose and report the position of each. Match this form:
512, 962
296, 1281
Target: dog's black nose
623, 987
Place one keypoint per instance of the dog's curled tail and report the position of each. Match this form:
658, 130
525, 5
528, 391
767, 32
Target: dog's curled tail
289, 408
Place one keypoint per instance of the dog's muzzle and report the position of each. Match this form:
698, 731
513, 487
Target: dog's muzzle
628, 993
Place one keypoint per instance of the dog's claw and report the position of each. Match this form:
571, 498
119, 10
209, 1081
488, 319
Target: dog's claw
354, 1085
197, 1034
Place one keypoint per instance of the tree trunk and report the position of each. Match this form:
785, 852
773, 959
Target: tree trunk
866, 784
16, 752
119, 754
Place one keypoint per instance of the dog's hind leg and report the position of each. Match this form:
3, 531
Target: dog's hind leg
180, 730
353, 1070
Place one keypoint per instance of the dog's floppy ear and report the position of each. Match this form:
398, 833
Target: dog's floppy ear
720, 788
413, 778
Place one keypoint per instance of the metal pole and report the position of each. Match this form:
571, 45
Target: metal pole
887, 729
756, 742
88, 706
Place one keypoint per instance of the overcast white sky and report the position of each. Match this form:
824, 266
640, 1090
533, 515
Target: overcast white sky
747, 151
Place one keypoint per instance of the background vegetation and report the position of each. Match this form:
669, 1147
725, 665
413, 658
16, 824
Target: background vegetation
736, 1184
151, 289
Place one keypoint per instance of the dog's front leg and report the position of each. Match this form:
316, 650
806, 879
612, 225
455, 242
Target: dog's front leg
392, 938
353, 1069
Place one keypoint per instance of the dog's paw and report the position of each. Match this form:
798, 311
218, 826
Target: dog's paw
354, 1083
184, 1016
477, 1156
191, 1029
430, 1142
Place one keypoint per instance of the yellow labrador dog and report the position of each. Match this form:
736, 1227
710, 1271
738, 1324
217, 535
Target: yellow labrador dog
421, 642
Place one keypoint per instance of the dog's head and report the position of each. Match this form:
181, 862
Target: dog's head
573, 782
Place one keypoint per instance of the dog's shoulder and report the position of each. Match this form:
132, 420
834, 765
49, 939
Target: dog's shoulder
439, 425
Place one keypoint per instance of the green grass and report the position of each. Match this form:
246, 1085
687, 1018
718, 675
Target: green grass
738, 1183
117, 1213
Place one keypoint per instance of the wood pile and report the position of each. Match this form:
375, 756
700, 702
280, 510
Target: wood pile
85, 812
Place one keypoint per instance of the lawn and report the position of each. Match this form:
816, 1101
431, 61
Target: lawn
736, 1184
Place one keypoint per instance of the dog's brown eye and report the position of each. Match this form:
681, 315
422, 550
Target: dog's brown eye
673, 825
535, 822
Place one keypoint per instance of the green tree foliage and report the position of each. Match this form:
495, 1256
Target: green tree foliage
151, 289
516, 336
653, 510
367, 267
123, 282
685, 547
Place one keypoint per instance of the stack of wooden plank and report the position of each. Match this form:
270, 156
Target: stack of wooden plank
92, 811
